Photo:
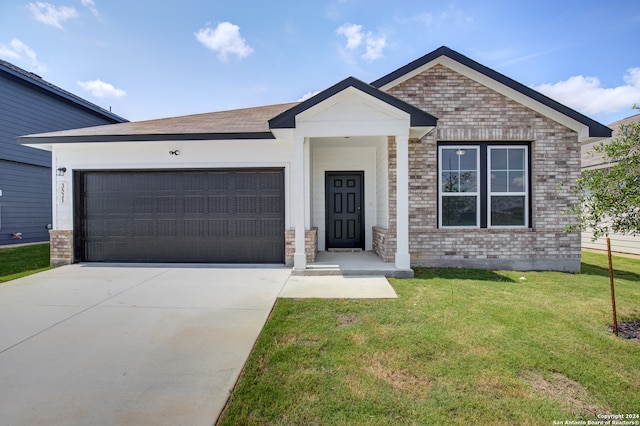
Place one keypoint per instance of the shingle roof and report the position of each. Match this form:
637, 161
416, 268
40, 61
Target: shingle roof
37, 81
247, 123
592, 159
256, 123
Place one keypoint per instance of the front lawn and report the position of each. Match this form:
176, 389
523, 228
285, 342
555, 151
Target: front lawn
16, 262
456, 347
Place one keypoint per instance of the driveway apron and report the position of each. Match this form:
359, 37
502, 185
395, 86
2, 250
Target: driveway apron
112, 344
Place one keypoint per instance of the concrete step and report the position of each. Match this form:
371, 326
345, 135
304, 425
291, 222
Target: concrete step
320, 271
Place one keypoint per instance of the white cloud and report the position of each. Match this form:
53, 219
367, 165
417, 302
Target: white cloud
17, 51
91, 5
374, 44
100, 89
226, 40
587, 95
52, 15
353, 33
308, 95
447, 19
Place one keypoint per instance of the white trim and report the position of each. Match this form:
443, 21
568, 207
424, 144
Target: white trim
459, 194
508, 194
299, 197
403, 259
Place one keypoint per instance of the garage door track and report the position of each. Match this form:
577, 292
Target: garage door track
120, 344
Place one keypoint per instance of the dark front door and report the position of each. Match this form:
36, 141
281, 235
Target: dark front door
345, 213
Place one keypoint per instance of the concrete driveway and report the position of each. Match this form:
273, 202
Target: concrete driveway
128, 345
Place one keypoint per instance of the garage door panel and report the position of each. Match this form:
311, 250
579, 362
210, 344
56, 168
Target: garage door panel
247, 204
218, 228
218, 205
182, 216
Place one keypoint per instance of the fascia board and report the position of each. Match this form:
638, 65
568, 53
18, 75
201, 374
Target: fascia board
363, 97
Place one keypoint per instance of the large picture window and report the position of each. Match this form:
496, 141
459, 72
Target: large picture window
483, 186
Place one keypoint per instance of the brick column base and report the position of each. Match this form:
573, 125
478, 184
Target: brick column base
384, 244
310, 245
61, 247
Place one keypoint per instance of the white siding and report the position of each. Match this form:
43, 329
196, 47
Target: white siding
382, 185
341, 154
619, 243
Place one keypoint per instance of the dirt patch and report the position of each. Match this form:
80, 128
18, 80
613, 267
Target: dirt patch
628, 330
346, 320
400, 379
571, 395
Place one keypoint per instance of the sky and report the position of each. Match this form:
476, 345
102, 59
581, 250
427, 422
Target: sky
152, 59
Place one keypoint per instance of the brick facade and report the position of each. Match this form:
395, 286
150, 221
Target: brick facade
61, 247
468, 111
310, 245
384, 244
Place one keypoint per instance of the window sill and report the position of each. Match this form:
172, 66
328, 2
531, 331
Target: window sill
501, 230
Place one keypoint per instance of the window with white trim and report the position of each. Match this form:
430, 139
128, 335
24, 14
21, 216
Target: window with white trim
508, 197
483, 185
459, 186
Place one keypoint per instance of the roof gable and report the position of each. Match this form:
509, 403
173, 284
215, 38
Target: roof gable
287, 119
38, 82
499, 82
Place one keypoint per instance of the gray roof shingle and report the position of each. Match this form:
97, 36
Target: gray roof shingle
593, 160
247, 123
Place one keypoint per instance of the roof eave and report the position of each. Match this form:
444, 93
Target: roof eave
483, 75
287, 119
35, 140
62, 94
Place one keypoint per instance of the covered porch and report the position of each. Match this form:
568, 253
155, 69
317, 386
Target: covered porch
350, 179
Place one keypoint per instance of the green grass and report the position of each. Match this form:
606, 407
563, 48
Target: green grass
456, 347
16, 262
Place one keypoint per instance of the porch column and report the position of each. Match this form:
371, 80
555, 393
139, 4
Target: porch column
403, 260
299, 198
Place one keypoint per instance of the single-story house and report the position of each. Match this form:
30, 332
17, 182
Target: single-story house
443, 162
30, 104
629, 244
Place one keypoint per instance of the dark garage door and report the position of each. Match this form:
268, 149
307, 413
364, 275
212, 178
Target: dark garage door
228, 216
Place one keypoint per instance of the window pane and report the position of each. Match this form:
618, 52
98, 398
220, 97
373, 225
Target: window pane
459, 211
468, 159
516, 181
468, 181
450, 182
449, 159
507, 211
498, 159
516, 159
498, 181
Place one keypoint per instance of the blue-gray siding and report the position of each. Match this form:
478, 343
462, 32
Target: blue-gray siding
25, 204
25, 173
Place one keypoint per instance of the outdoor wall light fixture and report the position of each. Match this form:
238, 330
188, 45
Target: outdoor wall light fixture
176, 152
61, 171
460, 152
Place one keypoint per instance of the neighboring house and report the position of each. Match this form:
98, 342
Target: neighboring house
593, 160
29, 104
443, 162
